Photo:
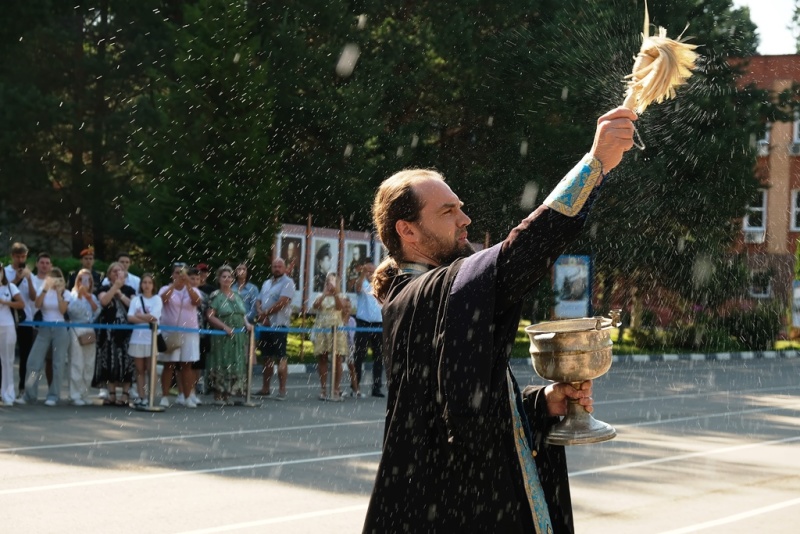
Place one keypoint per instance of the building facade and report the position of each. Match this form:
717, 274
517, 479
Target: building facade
771, 229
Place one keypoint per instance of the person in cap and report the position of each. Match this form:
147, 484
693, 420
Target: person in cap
87, 262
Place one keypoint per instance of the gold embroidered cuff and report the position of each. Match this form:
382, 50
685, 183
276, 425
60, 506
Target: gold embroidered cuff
574, 189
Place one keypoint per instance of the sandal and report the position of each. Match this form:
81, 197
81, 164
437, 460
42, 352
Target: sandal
124, 402
111, 400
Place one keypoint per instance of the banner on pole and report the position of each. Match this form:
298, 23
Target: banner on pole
572, 286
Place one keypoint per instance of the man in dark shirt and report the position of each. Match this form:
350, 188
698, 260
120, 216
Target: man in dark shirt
87, 262
464, 448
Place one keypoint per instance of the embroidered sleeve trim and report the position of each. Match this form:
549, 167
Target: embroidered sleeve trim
574, 189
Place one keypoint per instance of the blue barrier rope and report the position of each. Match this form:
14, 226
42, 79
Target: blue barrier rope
167, 328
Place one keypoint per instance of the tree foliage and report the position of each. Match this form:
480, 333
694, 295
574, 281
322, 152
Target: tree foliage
207, 184
190, 128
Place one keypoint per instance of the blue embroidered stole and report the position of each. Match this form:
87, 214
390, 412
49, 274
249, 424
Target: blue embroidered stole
533, 488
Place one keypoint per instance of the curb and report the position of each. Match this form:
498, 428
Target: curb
714, 356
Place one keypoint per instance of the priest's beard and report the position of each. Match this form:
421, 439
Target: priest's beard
444, 251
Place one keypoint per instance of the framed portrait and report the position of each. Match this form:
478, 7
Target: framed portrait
355, 255
324, 260
379, 252
572, 286
291, 248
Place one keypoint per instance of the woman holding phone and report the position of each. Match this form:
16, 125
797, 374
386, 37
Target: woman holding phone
84, 308
329, 306
53, 300
113, 366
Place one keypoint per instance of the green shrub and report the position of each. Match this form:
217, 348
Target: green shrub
755, 329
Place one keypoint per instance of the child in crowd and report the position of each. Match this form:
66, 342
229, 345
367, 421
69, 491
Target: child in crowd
350, 322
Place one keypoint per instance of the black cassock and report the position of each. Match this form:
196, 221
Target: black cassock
449, 462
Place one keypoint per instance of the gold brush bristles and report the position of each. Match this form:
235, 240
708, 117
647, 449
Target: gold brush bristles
661, 65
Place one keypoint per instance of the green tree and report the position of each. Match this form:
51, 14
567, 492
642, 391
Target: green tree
208, 180
68, 74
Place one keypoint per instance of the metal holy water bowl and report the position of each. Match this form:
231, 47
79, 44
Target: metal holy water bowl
572, 351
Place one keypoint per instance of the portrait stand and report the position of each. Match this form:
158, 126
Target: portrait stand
251, 356
151, 407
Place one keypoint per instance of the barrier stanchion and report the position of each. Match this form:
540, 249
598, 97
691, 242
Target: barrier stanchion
332, 363
251, 355
151, 398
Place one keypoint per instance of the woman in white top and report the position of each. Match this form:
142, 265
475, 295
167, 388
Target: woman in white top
83, 309
53, 300
9, 299
145, 309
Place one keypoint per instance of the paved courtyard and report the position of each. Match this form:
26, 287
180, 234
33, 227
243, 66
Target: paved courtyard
702, 447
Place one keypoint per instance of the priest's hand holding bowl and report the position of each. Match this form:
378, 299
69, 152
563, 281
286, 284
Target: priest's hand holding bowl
558, 395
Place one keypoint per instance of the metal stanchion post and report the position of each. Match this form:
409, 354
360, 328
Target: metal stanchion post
332, 367
151, 403
251, 354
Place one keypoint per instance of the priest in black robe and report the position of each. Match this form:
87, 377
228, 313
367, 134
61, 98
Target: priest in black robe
464, 448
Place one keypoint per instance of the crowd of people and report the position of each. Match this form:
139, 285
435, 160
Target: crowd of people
115, 358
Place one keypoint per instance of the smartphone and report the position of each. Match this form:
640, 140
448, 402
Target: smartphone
85, 280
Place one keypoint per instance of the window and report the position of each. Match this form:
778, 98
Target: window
760, 284
763, 143
756, 218
794, 223
796, 129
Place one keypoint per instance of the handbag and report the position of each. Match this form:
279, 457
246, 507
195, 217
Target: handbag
88, 338
161, 343
172, 341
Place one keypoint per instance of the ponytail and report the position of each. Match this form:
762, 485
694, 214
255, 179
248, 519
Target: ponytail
383, 278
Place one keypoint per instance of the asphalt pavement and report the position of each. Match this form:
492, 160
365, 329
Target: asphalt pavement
702, 446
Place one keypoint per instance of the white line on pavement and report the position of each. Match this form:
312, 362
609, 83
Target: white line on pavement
680, 457
169, 474
179, 437
735, 517
284, 519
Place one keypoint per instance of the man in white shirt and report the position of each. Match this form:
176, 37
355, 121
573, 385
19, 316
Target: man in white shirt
131, 280
368, 315
18, 274
273, 308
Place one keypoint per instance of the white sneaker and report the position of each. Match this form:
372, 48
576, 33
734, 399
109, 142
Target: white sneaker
164, 402
50, 402
189, 403
180, 400
195, 400
20, 400
78, 402
103, 393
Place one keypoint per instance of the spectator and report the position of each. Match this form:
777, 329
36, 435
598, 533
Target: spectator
130, 280
113, 366
87, 262
18, 274
198, 367
273, 309
368, 315
9, 300
247, 290
204, 285
349, 321
180, 302
329, 314
84, 308
53, 300
144, 309
226, 367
